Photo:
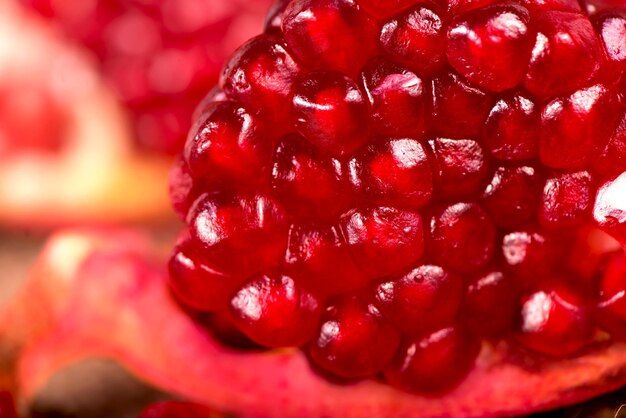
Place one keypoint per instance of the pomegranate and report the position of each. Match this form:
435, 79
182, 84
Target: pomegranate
447, 267
406, 172
66, 155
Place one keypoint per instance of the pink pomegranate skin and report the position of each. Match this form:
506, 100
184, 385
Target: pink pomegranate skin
397, 184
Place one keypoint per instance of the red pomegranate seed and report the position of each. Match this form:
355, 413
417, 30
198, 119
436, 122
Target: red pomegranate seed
511, 130
330, 111
310, 184
382, 9
566, 54
489, 307
460, 110
462, 237
575, 129
460, 167
512, 198
275, 312
332, 34
425, 299
382, 240
554, 321
566, 200
595, 7
612, 160
539, 6
274, 17
260, 75
416, 39
227, 227
353, 341
612, 31
393, 171
609, 210
434, 363
612, 293
195, 282
400, 100
317, 256
491, 47
532, 255
181, 188
228, 144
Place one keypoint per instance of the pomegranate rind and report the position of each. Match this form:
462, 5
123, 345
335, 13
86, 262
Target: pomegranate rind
104, 294
97, 176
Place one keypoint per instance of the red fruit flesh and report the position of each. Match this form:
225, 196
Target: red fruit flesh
460, 109
424, 299
318, 257
230, 142
400, 100
353, 340
416, 40
81, 276
331, 34
513, 196
435, 363
491, 46
194, 282
610, 207
317, 180
566, 200
383, 240
224, 227
463, 237
566, 54
574, 130
460, 167
329, 110
489, 308
532, 255
274, 311
555, 322
510, 132
393, 171
436, 186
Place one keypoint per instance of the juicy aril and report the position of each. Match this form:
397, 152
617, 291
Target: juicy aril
391, 186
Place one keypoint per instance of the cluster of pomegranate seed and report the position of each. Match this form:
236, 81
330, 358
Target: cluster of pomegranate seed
390, 184
161, 56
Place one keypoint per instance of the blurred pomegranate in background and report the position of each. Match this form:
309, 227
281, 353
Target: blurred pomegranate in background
66, 149
161, 56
